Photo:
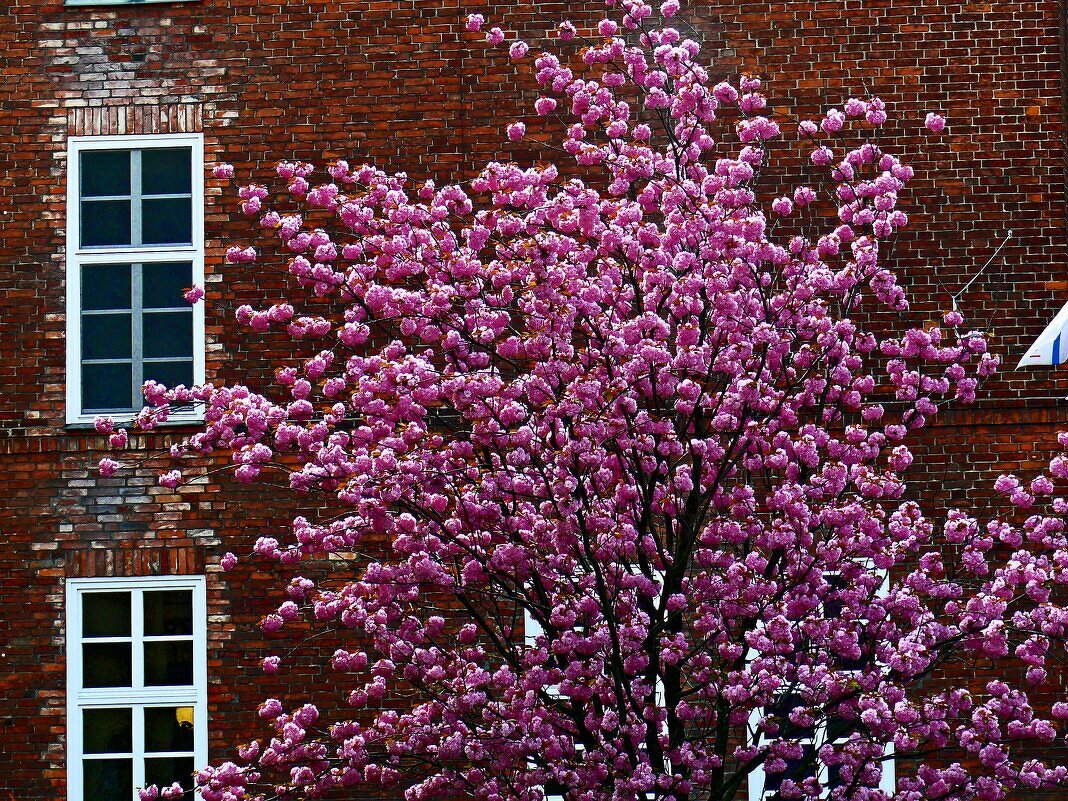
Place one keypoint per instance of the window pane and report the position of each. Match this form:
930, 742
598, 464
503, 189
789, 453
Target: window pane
106, 664
106, 386
167, 222
163, 284
107, 336
105, 222
170, 373
164, 771
166, 171
164, 731
168, 663
108, 779
838, 728
106, 614
107, 731
168, 334
169, 612
105, 172
106, 286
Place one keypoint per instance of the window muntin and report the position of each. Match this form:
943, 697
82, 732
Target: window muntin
134, 243
137, 687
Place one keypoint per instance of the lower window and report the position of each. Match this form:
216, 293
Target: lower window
136, 685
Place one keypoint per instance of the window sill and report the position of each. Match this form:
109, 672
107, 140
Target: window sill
89, 424
125, 2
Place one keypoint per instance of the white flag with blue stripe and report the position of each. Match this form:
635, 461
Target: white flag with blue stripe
1051, 347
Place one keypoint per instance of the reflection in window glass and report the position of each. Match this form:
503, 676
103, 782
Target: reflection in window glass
106, 664
106, 614
168, 663
168, 728
168, 612
107, 731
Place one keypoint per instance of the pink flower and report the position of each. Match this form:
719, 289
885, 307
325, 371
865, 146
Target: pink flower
822, 156
108, 467
935, 123
518, 50
228, 562
223, 170
270, 709
782, 206
495, 36
475, 22
193, 294
516, 131
271, 663
545, 105
118, 439
567, 30
237, 255
833, 122
171, 479
669, 8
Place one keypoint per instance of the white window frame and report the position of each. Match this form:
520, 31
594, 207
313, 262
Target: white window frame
138, 696
757, 779
78, 256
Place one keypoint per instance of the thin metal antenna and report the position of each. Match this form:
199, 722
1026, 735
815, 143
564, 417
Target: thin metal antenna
994, 255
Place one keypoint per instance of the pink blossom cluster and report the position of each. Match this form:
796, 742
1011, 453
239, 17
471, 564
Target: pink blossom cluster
635, 412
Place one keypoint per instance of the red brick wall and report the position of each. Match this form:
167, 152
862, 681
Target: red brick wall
398, 83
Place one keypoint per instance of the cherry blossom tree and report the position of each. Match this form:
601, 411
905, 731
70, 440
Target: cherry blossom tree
639, 417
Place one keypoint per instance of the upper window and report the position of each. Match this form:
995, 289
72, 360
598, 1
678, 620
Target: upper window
136, 685
134, 242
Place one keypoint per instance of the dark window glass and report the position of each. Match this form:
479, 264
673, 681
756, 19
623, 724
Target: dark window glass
107, 336
165, 732
105, 286
168, 612
165, 771
170, 374
106, 222
106, 664
168, 663
162, 284
107, 731
838, 728
106, 614
105, 172
168, 334
167, 222
166, 171
108, 779
106, 386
